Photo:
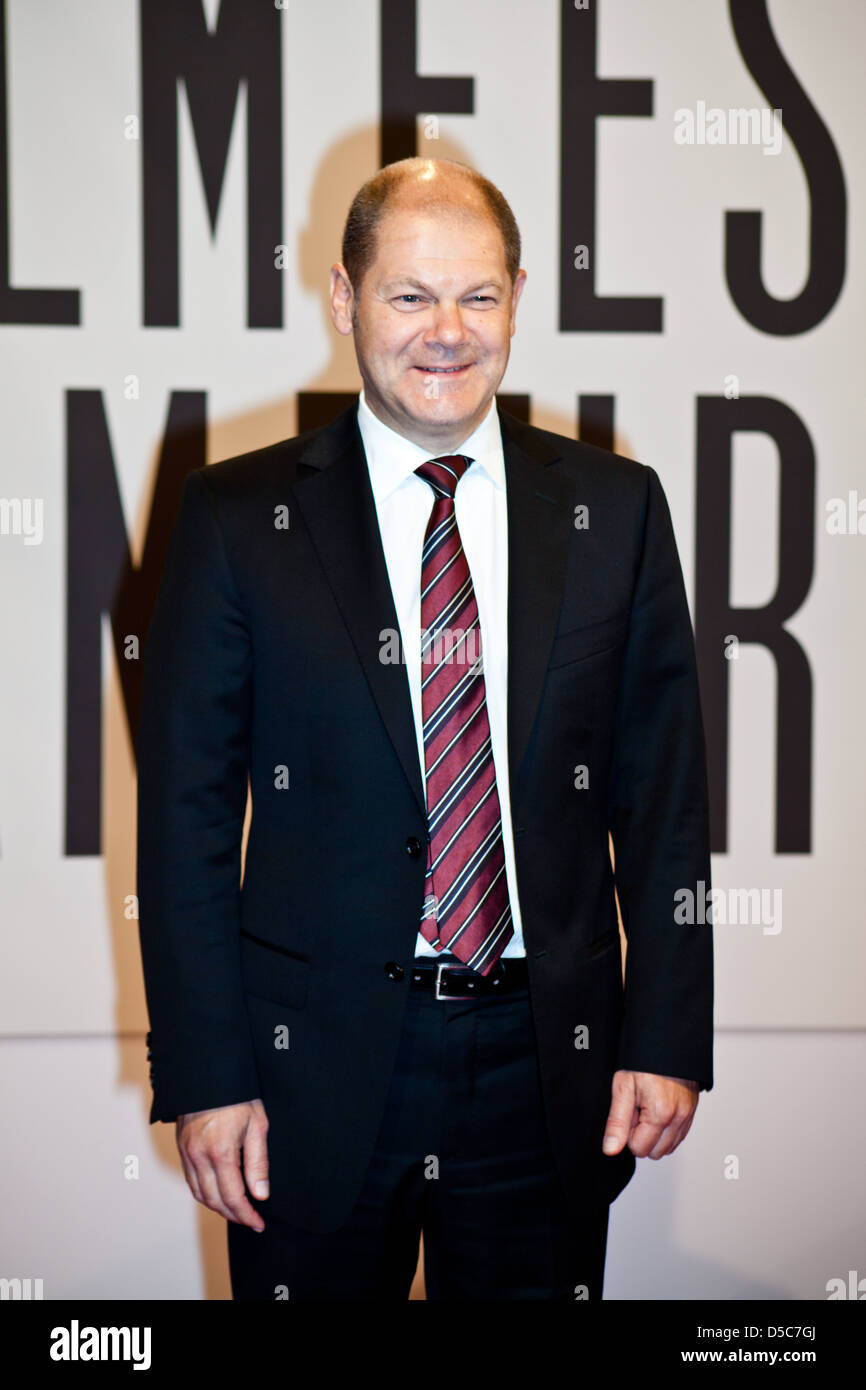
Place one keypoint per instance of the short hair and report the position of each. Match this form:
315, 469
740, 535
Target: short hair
374, 197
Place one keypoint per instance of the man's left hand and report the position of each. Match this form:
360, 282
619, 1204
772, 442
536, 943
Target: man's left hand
652, 1114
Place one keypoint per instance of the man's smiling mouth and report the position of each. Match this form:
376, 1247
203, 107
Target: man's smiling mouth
445, 371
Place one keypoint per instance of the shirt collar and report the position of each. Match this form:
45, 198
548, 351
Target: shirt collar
391, 458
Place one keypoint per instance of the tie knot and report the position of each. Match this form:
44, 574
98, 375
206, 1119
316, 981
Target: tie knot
443, 474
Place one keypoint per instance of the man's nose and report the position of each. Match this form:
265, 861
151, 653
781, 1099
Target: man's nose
447, 327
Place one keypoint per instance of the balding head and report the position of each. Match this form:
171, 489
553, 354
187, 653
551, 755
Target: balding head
441, 186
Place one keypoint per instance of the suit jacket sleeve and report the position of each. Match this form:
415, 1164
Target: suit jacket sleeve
659, 819
192, 752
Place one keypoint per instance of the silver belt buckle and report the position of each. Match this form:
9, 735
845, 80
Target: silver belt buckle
446, 965
440, 966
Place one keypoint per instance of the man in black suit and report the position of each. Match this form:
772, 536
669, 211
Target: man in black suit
451, 654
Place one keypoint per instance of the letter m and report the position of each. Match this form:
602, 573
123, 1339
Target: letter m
244, 47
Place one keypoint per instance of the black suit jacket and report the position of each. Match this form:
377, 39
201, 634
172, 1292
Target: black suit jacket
263, 662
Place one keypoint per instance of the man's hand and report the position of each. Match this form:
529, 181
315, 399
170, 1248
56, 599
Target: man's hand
210, 1144
653, 1114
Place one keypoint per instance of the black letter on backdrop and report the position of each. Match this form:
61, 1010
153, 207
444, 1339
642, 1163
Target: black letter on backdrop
824, 178
245, 46
101, 579
718, 420
595, 423
404, 95
584, 97
23, 306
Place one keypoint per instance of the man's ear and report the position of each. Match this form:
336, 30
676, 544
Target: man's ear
516, 292
342, 298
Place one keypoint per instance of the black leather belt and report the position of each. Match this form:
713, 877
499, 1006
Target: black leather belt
445, 980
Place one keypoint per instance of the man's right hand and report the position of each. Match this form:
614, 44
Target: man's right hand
210, 1144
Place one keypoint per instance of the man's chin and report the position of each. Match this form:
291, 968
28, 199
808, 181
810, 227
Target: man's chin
448, 409
449, 417
448, 427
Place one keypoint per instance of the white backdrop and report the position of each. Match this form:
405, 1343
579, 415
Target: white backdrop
791, 1008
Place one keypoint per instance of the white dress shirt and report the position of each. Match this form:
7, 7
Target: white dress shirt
403, 506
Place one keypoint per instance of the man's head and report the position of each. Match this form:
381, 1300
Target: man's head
428, 285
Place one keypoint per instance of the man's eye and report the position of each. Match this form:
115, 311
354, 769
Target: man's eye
483, 299
416, 298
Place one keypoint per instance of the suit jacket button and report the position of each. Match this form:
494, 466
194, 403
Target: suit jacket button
393, 970
413, 846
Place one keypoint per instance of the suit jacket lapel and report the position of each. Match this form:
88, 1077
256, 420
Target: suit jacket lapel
334, 495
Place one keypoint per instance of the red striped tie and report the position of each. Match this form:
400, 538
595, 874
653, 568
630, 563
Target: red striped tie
466, 908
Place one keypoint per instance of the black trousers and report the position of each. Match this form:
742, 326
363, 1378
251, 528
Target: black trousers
462, 1154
